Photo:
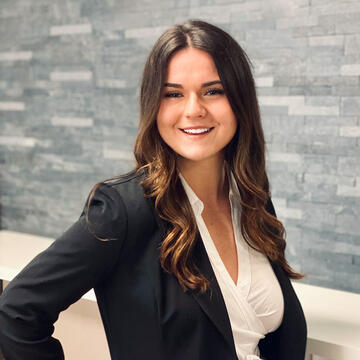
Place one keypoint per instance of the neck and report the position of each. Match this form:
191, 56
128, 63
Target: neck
207, 179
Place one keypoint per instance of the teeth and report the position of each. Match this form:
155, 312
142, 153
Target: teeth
196, 131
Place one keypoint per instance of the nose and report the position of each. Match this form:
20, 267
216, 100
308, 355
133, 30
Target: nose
194, 108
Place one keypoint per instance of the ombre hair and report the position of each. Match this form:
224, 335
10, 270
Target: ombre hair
244, 155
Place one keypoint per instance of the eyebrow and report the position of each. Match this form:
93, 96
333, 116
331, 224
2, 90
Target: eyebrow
179, 86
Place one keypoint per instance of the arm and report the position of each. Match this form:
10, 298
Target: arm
58, 277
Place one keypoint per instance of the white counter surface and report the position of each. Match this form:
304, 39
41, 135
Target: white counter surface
333, 318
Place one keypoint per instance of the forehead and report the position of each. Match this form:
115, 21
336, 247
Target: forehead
191, 63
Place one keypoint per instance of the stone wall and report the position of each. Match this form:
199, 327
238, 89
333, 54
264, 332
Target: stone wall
69, 80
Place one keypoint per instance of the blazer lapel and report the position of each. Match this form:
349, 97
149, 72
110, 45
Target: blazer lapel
212, 301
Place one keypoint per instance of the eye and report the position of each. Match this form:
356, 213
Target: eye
172, 95
215, 91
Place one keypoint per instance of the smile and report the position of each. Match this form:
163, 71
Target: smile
197, 131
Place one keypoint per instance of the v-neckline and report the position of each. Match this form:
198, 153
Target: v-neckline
215, 252
197, 204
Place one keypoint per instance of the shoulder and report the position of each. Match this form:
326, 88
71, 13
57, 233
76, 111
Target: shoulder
113, 202
128, 186
130, 179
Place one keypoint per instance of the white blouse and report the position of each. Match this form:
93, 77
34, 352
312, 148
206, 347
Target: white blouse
255, 304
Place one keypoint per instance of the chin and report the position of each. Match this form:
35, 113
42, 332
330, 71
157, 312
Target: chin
195, 157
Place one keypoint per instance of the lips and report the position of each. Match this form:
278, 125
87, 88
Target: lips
197, 130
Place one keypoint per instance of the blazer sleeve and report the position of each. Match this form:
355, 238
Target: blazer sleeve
72, 265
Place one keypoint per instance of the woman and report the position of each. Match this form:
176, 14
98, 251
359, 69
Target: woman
185, 253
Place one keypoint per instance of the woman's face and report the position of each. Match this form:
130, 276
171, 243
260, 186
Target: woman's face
195, 118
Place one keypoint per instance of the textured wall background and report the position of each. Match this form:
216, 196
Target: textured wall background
69, 78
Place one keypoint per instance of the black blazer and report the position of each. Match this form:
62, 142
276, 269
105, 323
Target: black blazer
146, 313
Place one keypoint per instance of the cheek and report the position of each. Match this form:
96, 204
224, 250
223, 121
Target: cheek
165, 128
166, 119
160, 119
234, 125
231, 124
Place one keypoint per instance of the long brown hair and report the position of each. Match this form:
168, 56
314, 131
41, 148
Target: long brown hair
245, 154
